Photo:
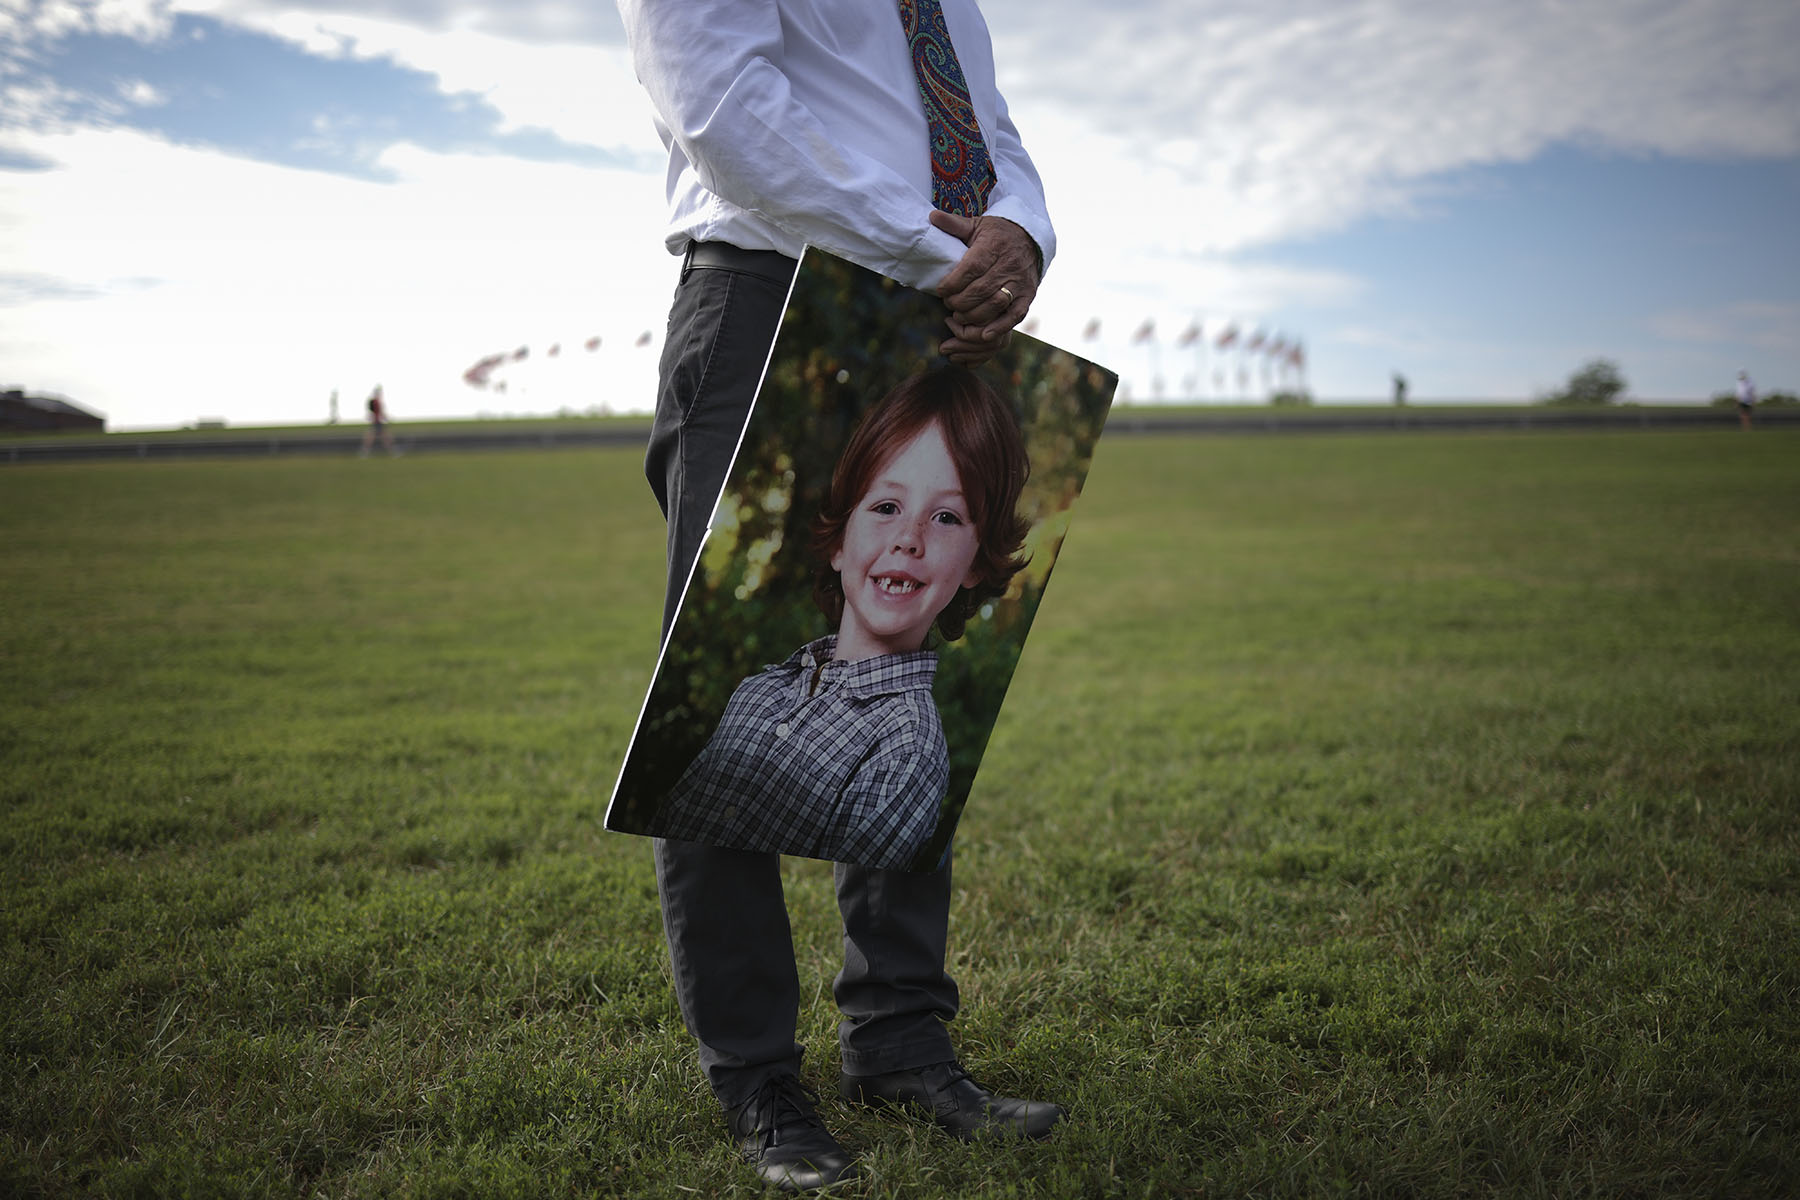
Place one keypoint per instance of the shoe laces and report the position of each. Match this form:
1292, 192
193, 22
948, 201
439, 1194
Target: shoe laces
781, 1103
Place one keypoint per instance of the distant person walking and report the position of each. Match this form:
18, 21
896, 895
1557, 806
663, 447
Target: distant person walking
378, 425
1399, 390
332, 420
1746, 392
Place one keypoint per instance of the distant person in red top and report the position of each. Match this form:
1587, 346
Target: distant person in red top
378, 424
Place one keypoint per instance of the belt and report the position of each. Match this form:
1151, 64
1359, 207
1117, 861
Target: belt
771, 265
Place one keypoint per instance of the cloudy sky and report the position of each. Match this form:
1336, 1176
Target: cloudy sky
232, 208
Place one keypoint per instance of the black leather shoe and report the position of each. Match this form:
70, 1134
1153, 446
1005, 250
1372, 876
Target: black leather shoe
953, 1100
779, 1132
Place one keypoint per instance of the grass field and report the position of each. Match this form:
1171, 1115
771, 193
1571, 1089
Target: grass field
1372, 815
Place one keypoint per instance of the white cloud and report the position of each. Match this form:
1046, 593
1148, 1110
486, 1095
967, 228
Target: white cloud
542, 22
559, 66
131, 18
140, 94
227, 286
1180, 145
157, 281
1277, 119
1178, 141
541, 66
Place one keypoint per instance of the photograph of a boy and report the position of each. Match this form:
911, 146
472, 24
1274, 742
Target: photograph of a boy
748, 614
839, 751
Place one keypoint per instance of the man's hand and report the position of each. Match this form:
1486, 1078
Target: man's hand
991, 287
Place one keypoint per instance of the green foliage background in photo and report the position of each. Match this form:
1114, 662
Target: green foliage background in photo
848, 336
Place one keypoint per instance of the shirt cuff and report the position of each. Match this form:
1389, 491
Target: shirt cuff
1035, 224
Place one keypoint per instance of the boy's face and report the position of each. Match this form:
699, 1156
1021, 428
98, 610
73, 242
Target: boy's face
908, 546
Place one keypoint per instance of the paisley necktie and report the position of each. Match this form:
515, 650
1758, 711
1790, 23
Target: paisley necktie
962, 174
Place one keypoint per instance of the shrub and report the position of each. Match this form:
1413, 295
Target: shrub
1293, 398
1771, 400
1595, 385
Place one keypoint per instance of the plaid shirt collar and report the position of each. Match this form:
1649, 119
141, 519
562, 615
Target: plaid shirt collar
883, 675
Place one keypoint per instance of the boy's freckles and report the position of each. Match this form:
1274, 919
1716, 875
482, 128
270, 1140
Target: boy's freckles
908, 546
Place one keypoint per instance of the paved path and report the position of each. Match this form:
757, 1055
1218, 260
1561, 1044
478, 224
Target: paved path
1124, 422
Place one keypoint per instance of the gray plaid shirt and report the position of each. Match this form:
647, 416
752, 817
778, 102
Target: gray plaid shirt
821, 758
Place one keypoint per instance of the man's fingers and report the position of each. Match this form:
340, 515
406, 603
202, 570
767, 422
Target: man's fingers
970, 266
999, 268
955, 224
971, 345
1013, 301
1003, 306
969, 354
991, 287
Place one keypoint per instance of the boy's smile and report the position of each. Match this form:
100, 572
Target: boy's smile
908, 546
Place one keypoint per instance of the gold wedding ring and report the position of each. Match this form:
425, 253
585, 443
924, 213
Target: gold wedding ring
1009, 294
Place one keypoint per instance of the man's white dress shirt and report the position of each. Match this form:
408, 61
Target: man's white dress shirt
795, 122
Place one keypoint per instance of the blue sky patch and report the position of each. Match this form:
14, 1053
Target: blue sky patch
16, 160
1573, 240
262, 98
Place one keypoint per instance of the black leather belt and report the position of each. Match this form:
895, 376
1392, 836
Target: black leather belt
771, 265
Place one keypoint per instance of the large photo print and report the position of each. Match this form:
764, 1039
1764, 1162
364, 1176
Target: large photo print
872, 569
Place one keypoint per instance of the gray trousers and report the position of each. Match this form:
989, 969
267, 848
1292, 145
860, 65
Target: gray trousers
724, 913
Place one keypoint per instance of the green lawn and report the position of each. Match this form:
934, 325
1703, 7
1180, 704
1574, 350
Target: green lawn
1371, 815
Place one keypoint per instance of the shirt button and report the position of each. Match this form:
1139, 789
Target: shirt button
781, 730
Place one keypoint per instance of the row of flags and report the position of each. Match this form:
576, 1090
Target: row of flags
1278, 347
480, 373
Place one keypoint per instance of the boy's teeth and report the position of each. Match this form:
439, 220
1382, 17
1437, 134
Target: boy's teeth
895, 585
